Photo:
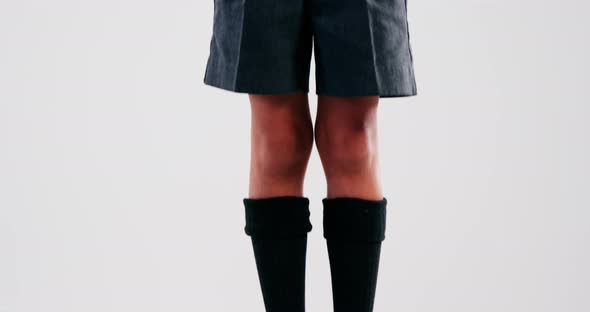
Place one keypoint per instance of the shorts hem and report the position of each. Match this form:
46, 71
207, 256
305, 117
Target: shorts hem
236, 89
398, 95
381, 94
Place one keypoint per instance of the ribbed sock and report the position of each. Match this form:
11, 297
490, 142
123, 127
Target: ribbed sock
278, 228
354, 229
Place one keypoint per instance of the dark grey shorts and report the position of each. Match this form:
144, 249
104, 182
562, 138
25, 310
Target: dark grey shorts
361, 47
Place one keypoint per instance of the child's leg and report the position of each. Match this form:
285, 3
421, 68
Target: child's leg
354, 209
277, 213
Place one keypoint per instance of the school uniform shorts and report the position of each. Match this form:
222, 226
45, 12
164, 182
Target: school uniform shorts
361, 47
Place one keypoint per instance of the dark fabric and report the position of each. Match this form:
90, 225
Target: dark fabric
354, 229
278, 228
361, 47
279, 216
350, 218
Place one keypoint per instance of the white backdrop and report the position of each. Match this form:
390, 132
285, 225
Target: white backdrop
122, 174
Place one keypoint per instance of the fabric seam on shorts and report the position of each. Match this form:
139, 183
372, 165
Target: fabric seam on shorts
372, 48
408, 31
235, 84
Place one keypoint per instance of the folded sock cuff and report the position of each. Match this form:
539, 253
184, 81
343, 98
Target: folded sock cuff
277, 217
354, 219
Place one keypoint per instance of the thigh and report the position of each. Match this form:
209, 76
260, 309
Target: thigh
337, 118
281, 115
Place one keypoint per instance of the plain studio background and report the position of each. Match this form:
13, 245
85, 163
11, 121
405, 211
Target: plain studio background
121, 174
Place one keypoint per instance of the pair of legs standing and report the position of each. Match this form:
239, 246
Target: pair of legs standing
283, 135
277, 213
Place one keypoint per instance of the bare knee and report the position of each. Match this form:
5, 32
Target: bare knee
282, 153
346, 148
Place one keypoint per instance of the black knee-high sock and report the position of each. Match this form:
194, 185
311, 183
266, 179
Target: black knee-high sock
354, 229
278, 228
